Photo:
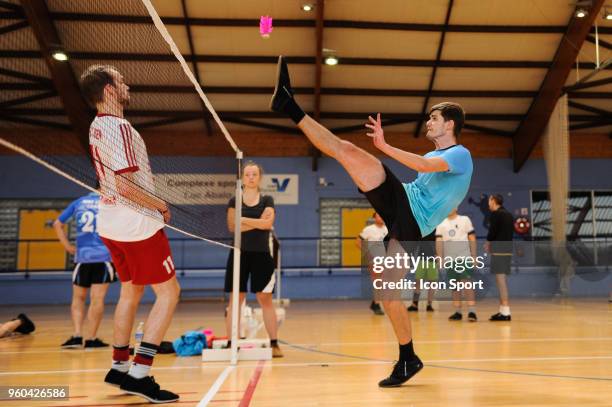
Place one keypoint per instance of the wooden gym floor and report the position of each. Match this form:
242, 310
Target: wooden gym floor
554, 353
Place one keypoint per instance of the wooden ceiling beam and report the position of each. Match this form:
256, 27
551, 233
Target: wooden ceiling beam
587, 85
434, 70
26, 76
263, 90
590, 95
28, 99
319, 24
488, 130
78, 112
13, 27
591, 109
602, 43
307, 60
306, 23
33, 122
532, 126
196, 71
602, 122
361, 126
262, 125
163, 122
266, 114
15, 8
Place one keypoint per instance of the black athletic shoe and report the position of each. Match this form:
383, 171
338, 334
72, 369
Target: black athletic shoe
376, 309
472, 317
500, 317
402, 372
95, 343
114, 378
26, 326
429, 308
282, 91
73, 342
413, 307
147, 388
457, 316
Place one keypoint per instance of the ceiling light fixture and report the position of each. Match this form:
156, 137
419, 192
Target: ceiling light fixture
607, 14
581, 13
59, 56
331, 60
307, 7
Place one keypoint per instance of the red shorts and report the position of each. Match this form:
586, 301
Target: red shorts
144, 262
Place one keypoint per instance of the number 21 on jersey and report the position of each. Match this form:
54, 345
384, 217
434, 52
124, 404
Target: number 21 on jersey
87, 222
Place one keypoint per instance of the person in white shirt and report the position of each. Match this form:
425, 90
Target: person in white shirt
131, 224
376, 232
455, 238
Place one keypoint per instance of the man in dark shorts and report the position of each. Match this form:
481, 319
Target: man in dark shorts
93, 270
499, 244
410, 211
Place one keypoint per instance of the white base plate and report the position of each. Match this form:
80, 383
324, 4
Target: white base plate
225, 355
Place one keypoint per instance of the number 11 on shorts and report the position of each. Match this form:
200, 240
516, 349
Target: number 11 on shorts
168, 264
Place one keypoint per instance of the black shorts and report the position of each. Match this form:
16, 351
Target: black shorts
501, 264
390, 201
258, 265
86, 274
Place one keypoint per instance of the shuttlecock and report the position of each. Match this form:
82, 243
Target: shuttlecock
265, 26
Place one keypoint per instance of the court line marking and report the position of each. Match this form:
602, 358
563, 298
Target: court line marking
462, 341
212, 391
250, 390
462, 368
122, 404
68, 371
451, 341
365, 361
204, 366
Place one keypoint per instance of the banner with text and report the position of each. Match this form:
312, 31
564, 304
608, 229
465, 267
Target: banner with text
217, 189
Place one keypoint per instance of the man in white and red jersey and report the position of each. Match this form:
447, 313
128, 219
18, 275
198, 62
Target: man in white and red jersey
130, 222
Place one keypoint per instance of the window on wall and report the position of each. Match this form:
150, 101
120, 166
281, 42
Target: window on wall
603, 213
330, 245
589, 215
21, 247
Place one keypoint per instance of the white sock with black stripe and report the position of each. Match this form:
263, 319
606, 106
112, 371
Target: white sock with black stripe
141, 365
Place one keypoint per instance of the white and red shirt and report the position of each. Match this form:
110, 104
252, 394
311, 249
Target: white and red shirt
117, 148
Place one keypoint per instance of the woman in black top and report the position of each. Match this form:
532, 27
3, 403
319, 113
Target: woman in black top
255, 259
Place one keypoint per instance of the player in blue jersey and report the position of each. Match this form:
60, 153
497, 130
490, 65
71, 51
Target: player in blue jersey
93, 270
412, 210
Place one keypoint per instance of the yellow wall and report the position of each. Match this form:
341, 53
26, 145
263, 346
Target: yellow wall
37, 224
353, 222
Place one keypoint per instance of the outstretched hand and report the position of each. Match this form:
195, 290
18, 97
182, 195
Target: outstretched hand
377, 134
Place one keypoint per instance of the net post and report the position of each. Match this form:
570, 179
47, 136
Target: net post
278, 274
236, 271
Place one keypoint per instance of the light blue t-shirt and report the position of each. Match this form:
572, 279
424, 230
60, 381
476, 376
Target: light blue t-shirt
433, 195
89, 246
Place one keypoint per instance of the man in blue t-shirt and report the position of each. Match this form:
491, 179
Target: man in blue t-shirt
411, 211
93, 269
